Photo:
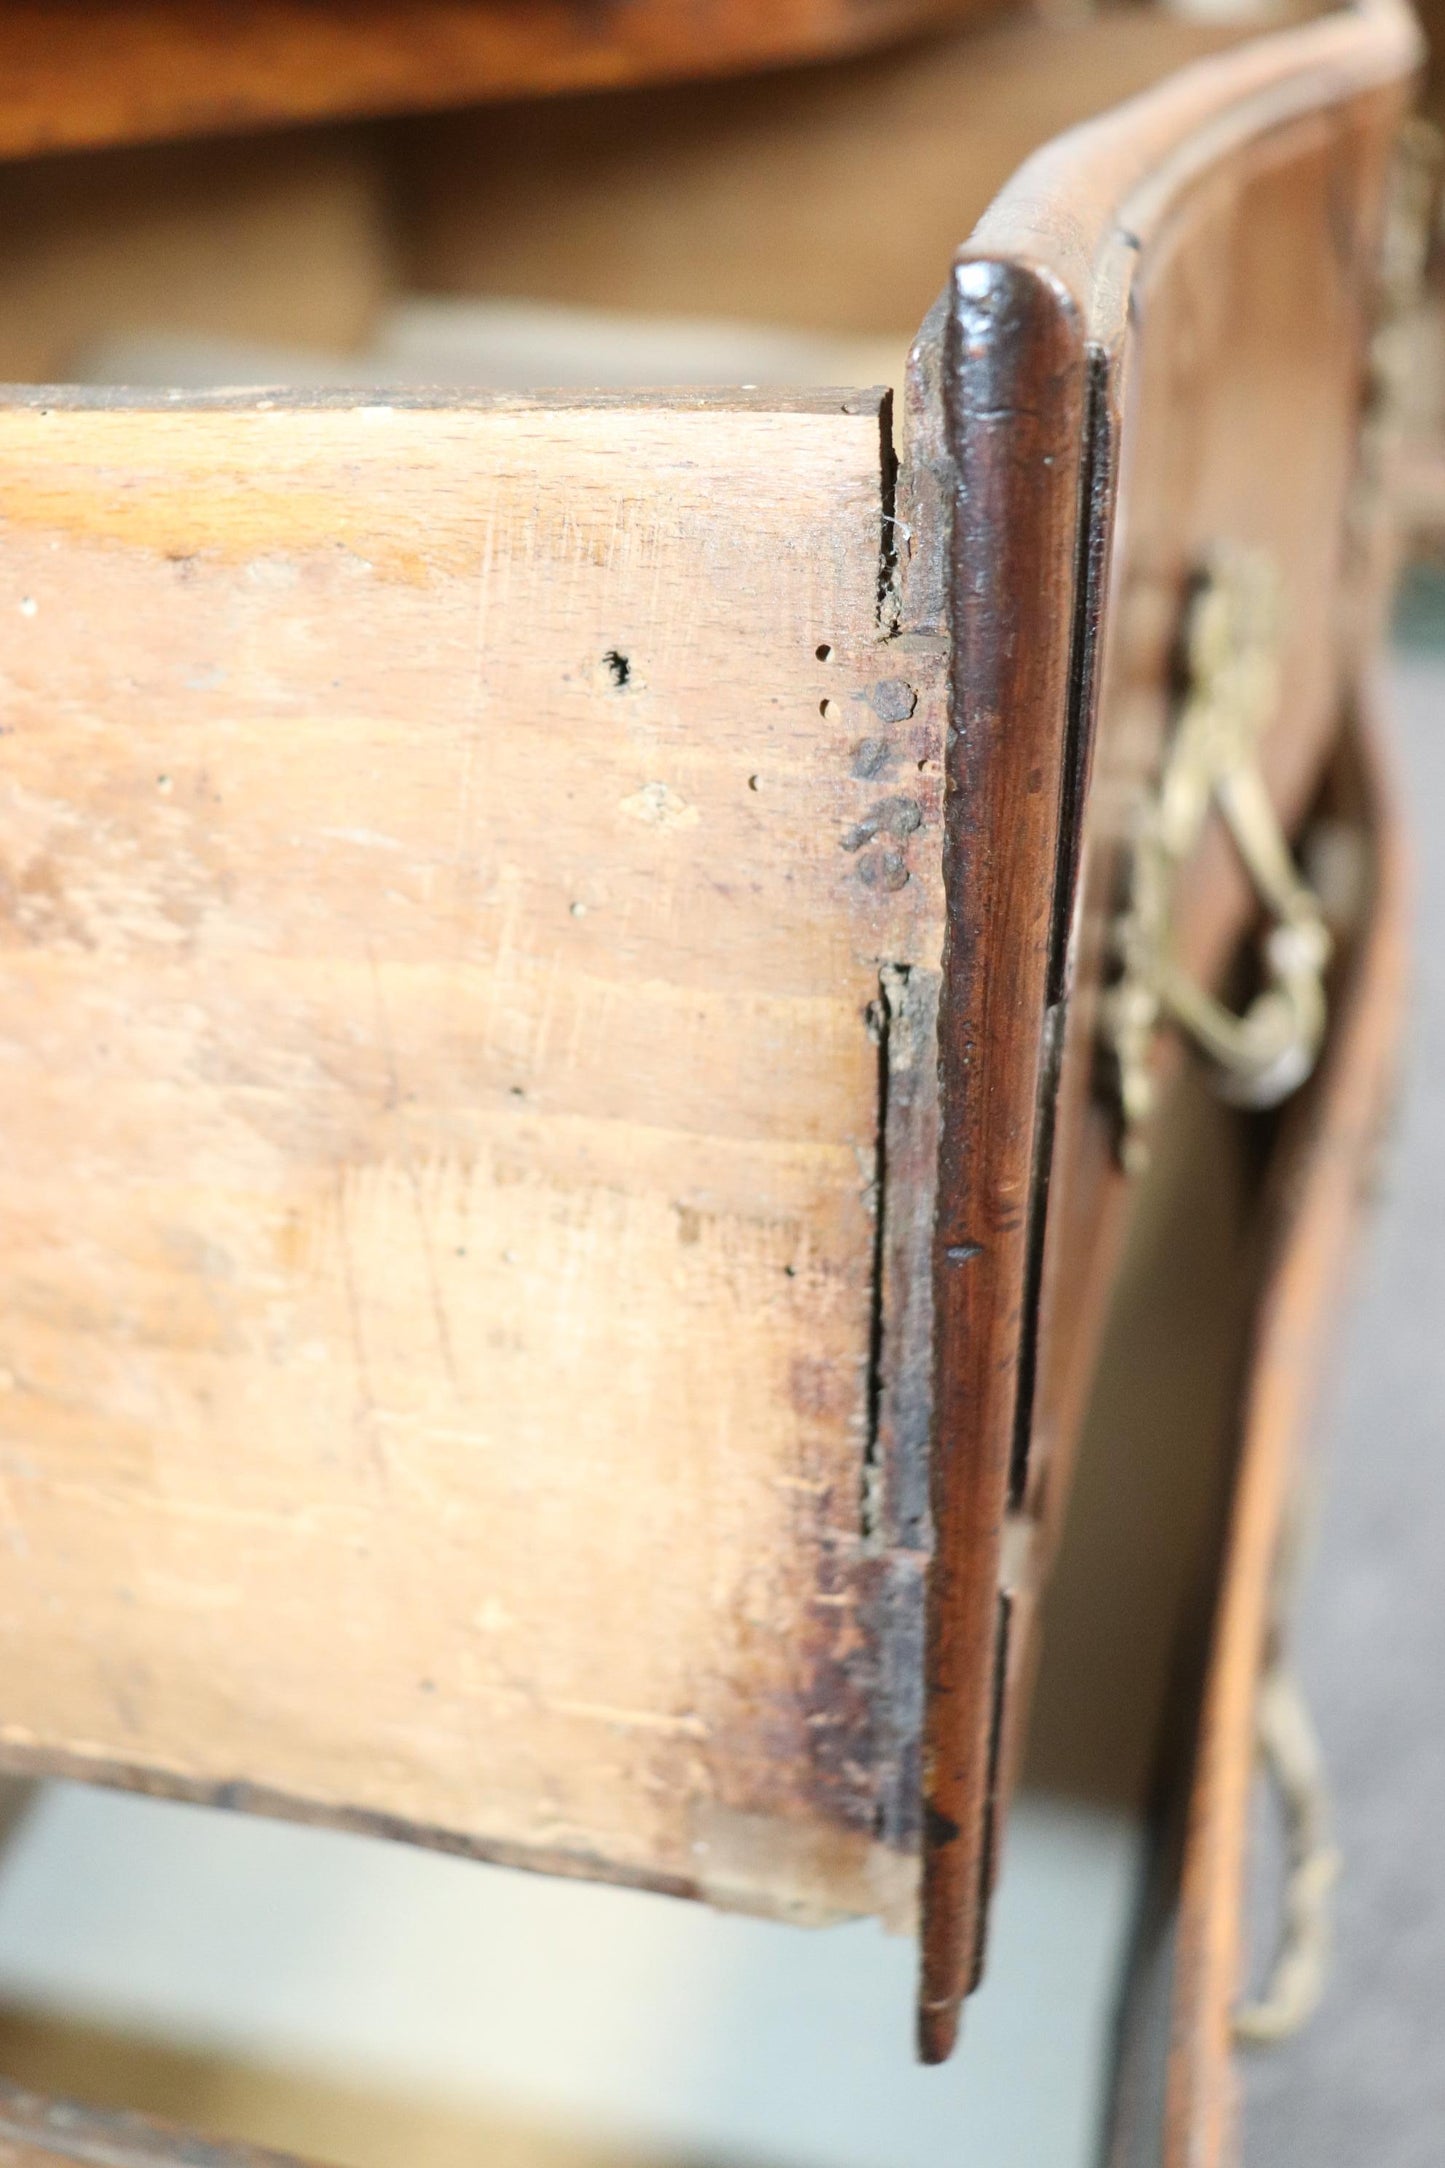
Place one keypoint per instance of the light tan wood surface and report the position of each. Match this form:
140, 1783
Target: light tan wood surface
445, 912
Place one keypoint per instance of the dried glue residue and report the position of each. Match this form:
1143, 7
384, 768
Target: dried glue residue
659, 807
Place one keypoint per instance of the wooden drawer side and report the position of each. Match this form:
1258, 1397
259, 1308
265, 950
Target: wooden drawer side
461, 862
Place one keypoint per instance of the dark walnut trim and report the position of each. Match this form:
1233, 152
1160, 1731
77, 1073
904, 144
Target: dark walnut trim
1016, 397
1042, 336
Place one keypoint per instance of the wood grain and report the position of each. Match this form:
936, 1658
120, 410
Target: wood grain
114, 71
1213, 247
473, 888
1270, 369
445, 906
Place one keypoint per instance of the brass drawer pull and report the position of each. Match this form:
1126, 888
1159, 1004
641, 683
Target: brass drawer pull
1290, 1752
1212, 765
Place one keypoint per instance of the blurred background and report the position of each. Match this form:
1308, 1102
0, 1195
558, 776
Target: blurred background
372, 2005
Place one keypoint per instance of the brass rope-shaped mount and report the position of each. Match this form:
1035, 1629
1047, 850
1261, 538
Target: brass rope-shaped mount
1211, 766
1291, 1756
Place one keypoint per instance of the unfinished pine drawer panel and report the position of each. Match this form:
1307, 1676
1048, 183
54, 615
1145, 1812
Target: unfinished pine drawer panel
462, 864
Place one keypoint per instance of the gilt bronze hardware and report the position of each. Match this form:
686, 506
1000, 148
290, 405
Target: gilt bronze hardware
1211, 765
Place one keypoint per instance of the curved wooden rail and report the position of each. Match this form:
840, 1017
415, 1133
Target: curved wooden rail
1040, 354
1086, 208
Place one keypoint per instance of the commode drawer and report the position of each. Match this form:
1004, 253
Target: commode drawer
578, 1004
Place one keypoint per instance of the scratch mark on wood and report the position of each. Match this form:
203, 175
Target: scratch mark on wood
413, 1178
357, 1335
